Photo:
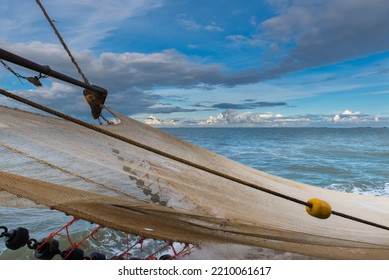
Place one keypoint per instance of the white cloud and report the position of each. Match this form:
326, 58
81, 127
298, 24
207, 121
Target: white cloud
269, 119
83, 24
232, 117
191, 25
241, 40
54, 92
336, 118
213, 27
151, 120
350, 113
350, 117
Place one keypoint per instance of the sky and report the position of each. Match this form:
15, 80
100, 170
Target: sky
269, 63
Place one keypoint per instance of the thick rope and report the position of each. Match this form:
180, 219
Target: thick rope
62, 42
175, 158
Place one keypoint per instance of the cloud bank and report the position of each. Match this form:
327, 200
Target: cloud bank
231, 118
307, 34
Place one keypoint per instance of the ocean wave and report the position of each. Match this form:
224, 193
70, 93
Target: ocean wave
368, 188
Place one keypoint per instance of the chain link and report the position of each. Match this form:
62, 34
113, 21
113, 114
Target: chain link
34, 79
5, 231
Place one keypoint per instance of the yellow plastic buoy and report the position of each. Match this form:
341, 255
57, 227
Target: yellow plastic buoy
318, 208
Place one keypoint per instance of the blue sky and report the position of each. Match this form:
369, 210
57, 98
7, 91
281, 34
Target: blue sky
211, 63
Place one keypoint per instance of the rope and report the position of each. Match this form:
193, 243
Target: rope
48, 247
62, 42
53, 234
175, 158
96, 102
75, 245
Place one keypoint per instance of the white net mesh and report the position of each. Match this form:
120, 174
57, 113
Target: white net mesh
107, 181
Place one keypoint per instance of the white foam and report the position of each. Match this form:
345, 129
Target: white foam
379, 190
239, 252
386, 189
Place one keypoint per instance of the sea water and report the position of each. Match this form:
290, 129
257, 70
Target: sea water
352, 160
345, 159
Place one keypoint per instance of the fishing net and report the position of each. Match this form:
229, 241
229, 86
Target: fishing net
83, 173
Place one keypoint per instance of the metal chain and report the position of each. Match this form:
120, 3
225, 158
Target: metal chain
34, 79
5, 231
6, 66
